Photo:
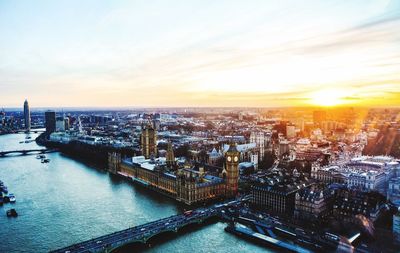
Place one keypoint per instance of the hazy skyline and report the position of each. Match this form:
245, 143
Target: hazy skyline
199, 53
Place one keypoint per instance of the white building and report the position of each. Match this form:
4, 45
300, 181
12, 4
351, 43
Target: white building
393, 192
254, 160
61, 137
371, 180
290, 131
367, 172
259, 139
60, 125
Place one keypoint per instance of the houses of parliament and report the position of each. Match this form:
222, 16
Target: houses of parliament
187, 183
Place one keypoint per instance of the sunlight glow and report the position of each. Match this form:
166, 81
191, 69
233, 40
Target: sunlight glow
193, 53
328, 97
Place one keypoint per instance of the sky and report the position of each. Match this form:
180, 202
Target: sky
199, 53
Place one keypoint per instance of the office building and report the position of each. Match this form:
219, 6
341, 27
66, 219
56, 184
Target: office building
27, 116
60, 124
277, 194
348, 204
313, 203
50, 121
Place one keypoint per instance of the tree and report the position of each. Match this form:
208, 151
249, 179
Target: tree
202, 156
182, 151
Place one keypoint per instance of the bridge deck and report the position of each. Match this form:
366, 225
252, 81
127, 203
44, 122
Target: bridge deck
140, 233
26, 151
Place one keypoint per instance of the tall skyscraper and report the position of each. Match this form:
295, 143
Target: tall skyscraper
27, 116
148, 141
232, 170
50, 118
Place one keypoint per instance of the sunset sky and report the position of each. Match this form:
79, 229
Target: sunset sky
199, 53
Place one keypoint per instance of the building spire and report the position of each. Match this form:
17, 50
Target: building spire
170, 154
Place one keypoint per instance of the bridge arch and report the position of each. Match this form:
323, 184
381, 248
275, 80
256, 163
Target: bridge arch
141, 242
162, 232
121, 248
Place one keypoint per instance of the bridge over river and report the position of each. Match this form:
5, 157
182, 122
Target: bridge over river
143, 233
27, 152
36, 131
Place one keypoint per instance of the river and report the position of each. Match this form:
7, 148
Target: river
67, 201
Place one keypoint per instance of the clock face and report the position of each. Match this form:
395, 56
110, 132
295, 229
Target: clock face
235, 159
229, 158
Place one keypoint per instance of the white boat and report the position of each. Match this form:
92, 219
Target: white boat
12, 198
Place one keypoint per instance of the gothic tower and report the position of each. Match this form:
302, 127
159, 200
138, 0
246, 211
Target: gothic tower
170, 155
232, 170
148, 141
114, 161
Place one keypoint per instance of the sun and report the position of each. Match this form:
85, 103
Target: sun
328, 97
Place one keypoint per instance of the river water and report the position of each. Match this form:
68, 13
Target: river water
67, 201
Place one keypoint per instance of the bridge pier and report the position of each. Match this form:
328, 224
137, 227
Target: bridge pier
108, 250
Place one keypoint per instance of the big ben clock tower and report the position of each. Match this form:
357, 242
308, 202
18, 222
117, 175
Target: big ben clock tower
232, 170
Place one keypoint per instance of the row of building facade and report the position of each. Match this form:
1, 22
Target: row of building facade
187, 183
365, 173
308, 200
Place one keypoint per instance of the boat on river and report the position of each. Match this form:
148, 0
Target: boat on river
12, 213
45, 160
12, 198
40, 156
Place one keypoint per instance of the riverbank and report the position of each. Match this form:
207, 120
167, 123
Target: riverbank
68, 201
97, 154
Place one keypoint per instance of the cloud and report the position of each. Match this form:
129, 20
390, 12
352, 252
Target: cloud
217, 54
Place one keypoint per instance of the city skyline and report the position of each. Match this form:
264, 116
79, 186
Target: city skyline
225, 54
200, 126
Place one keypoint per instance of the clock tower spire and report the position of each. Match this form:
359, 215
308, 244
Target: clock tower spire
232, 170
